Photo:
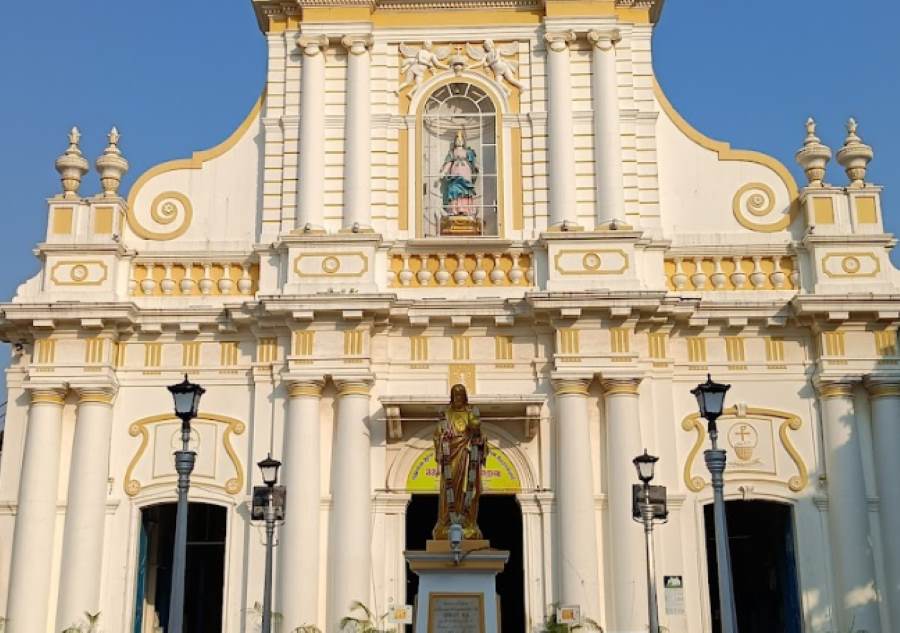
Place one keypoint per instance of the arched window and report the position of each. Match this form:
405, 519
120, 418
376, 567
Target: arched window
459, 162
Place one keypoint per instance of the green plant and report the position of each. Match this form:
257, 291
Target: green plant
552, 625
367, 623
307, 628
89, 626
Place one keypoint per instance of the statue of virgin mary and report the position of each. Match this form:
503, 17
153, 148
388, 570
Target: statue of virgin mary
458, 175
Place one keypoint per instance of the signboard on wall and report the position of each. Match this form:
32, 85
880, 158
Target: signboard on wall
498, 474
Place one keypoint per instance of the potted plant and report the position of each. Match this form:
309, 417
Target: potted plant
552, 625
367, 622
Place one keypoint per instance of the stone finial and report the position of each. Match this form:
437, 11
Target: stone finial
111, 165
72, 166
855, 156
813, 157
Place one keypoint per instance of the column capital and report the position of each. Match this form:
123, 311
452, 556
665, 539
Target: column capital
620, 386
604, 39
882, 387
48, 395
353, 387
96, 395
312, 45
558, 41
834, 389
571, 386
304, 389
358, 44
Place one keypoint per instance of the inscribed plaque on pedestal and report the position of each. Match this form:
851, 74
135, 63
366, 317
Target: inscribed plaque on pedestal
456, 613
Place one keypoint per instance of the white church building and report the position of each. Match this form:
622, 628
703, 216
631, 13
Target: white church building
428, 192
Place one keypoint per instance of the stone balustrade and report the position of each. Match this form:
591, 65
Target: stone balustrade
732, 272
461, 269
183, 279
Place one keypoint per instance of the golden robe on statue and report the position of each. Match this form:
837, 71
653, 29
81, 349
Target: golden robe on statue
460, 451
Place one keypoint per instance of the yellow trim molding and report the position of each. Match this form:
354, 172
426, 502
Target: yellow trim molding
829, 390
194, 162
139, 428
52, 396
96, 396
304, 390
883, 389
616, 387
570, 387
726, 153
353, 388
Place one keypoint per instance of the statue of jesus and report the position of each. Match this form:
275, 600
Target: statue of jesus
460, 450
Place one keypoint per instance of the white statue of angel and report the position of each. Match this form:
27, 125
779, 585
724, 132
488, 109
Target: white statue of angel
418, 61
495, 58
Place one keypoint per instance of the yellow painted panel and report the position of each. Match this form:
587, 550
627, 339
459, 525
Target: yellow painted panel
865, 210
103, 220
498, 474
823, 210
62, 221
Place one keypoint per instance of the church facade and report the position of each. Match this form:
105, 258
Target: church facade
494, 193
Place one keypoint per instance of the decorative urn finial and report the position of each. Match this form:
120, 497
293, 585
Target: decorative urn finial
855, 156
111, 165
72, 166
813, 157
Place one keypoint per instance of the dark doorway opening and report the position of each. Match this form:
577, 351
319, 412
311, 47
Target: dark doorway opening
764, 568
204, 568
500, 519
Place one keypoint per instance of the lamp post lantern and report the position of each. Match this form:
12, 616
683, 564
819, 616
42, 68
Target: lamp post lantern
269, 468
645, 465
187, 401
711, 399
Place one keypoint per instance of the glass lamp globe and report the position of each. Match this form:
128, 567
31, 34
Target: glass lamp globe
269, 468
710, 398
645, 465
187, 398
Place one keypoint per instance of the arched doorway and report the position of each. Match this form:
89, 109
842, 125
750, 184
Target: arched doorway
764, 567
204, 568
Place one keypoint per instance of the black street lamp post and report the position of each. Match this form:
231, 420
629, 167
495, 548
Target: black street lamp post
187, 400
272, 511
711, 399
645, 501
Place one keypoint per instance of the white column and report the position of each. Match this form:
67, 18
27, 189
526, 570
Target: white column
623, 444
32, 550
350, 554
298, 551
607, 137
577, 564
561, 151
311, 188
885, 399
82, 553
856, 598
357, 135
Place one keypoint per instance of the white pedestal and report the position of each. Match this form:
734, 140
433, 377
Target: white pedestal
457, 597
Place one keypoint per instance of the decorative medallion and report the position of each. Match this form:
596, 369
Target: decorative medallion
79, 273
758, 451
845, 265
602, 261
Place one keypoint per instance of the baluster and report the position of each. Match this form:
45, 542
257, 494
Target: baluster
738, 277
148, 283
206, 282
187, 282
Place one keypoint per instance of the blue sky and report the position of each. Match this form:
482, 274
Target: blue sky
178, 75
